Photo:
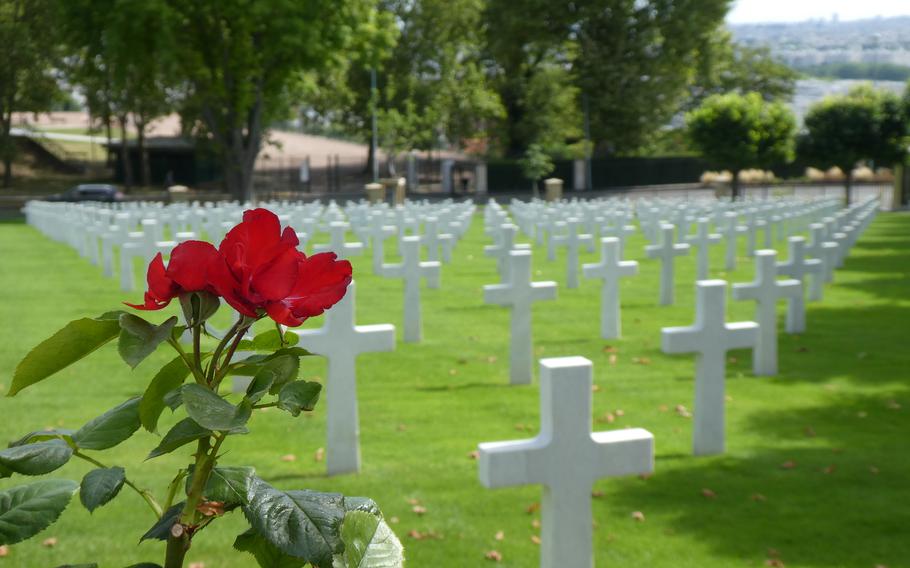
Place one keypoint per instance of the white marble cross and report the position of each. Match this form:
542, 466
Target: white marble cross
340, 341
411, 269
731, 231
766, 290
798, 266
702, 241
566, 458
666, 251
711, 337
572, 241
817, 249
610, 269
337, 244
433, 240
519, 293
378, 233
505, 243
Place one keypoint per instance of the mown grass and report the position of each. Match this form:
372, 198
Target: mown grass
839, 412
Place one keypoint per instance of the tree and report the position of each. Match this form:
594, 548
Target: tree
630, 62
725, 66
865, 124
431, 86
27, 60
242, 63
535, 164
742, 131
635, 61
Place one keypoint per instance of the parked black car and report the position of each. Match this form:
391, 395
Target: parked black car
89, 192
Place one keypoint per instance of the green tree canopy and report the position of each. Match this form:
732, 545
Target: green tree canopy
241, 64
742, 131
28, 57
865, 124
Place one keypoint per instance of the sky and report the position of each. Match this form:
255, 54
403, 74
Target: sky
755, 11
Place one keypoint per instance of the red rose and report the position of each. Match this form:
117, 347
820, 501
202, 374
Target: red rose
262, 270
321, 282
187, 271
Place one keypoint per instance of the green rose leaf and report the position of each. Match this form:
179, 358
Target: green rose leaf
304, 524
44, 435
101, 485
230, 485
213, 412
298, 396
278, 371
368, 543
265, 553
29, 509
162, 528
36, 459
182, 433
139, 338
251, 365
111, 428
76, 340
270, 341
168, 378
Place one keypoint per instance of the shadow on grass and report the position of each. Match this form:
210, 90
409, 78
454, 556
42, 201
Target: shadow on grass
463, 386
862, 343
806, 503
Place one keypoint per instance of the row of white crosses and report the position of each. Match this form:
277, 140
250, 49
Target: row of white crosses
565, 412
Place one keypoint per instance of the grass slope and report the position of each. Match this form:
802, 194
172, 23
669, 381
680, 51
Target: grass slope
839, 410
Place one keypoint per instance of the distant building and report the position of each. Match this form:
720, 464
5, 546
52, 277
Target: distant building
172, 160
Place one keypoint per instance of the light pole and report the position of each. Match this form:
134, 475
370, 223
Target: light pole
375, 141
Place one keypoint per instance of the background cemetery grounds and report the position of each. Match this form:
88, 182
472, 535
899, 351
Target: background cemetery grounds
816, 472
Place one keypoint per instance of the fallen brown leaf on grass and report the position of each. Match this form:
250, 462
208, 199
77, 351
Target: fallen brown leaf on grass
595, 388
789, 464
893, 405
607, 418
532, 508
319, 454
419, 510
620, 412
683, 411
4, 551
493, 555
491, 359
413, 501
809, 431
288, 458
393, 520
708, 494
535, 523
196, 565
802, 349
758, 497
610, 349
663, 408
49, 542
597, 494
416, 535
641, 360
638, 516
474, 455
499, 535
535, 539
612, 359
402, 427
830, 469
776, 562
732, 360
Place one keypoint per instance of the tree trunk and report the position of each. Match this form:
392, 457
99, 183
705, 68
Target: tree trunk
734, 186
6, 146
848, 187
125, 154
145, 172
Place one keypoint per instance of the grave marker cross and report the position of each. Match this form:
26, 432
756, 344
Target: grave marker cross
798, 266
566, 458
572, 241
666, 251
411, 269
337, 244
702, 241
610, 269
765, 290
710, 337
340, 341
519, 293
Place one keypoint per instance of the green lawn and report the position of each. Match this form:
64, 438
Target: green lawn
839, 411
